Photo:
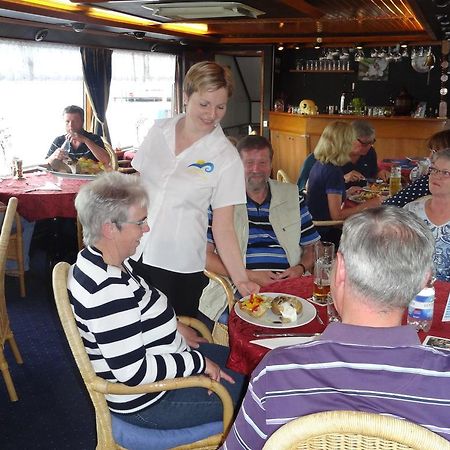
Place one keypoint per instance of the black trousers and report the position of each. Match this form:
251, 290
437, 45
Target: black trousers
183, 290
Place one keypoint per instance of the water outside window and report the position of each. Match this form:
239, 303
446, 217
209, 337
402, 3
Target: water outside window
37, 80
141, 91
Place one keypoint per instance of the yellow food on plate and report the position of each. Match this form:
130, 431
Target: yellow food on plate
287, 307
89, 166
256, 305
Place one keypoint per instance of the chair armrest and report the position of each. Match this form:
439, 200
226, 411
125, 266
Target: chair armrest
226, 284
106, 387
197, 325
327, 223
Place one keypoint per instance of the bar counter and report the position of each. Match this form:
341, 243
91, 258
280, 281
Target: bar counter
294, 136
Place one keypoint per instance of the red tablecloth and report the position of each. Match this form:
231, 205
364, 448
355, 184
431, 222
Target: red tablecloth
244, 356
38, 205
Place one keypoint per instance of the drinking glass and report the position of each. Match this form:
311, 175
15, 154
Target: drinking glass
323, 260
332, 314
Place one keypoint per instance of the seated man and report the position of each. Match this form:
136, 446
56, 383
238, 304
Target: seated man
274, 229
369, 362
363, 163
80, 142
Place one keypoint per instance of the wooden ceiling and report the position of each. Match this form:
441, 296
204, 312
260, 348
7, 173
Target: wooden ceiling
332, 22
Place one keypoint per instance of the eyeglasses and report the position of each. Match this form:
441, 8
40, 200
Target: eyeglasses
366, 143
139, 223
434, 171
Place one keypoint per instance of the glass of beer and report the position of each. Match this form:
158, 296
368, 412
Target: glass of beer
323, 260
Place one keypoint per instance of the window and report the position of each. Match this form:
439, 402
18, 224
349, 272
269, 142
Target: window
37, 80
142, 87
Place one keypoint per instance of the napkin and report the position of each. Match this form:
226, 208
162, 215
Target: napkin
48, 186
282, 341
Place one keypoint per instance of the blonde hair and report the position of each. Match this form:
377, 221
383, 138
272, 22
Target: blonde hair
335, 143
207, 76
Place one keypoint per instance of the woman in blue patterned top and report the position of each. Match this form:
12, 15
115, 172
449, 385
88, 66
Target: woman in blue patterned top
435, 211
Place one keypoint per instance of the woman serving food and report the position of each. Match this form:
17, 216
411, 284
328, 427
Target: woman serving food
129, 330
188, 164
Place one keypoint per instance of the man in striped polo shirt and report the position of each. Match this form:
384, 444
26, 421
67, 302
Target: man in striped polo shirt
274, 229
369, 362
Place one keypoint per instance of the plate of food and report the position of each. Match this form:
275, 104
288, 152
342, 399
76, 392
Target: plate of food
363, 196
275, 310
83, 169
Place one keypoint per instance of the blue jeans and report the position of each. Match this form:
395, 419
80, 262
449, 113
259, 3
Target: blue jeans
185, 408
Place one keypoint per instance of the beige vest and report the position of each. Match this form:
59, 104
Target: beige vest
284, 215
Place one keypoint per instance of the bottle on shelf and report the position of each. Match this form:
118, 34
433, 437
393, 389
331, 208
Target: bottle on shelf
345, 104
421, 307
395, 180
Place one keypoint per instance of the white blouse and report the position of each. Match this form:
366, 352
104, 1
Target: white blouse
181, 189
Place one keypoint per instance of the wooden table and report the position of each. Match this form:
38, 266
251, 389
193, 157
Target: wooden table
244, 356
38, 204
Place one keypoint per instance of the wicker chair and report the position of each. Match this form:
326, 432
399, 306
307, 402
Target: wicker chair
283, 176
351, 430
114, 162
6, 334
98, 387
220, 330
15, 253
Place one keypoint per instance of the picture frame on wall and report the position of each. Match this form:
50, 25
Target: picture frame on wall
420, 110
373, 69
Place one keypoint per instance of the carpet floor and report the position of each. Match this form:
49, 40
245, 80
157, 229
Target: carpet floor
54, 410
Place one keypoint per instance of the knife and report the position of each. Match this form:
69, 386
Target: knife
271, 335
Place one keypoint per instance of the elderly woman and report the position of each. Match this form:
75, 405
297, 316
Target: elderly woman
188, 164
130, 331
326, 184
438, 141
435, 211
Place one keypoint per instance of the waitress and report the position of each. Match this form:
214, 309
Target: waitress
188, 164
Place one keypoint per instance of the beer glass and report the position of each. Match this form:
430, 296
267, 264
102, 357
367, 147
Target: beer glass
323, 260
332, 314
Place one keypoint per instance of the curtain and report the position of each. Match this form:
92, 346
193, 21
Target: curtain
97, 79
178, 88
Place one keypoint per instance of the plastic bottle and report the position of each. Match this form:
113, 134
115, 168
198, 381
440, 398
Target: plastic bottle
420, 310
395, 181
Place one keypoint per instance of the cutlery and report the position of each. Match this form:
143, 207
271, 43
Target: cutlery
268, 335
319, 319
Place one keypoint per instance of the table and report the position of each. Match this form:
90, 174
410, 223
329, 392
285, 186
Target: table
244, 356
38, 205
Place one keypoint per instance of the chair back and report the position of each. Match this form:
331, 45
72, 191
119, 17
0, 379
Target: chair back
348, 430
105, 438
8, 220
15, 253
283, 176
114, 162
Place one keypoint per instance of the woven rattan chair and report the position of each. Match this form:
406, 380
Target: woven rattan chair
353, 430
220, 330
15, 253
98, 387
283, 176
6, 334
114, 162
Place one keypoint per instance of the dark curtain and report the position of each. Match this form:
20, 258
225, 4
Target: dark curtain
178, 94
97, 79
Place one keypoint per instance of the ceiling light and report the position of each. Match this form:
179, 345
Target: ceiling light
317, 46
41, 35
297, 47
139, 34
358, 47
403, 45
280, 47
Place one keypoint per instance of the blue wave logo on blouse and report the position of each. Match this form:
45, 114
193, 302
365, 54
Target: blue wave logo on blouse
203, 165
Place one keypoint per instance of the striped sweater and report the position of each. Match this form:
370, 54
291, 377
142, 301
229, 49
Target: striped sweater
378, 370
128, 329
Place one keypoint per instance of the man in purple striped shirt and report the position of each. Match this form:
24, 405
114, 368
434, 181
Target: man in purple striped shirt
369, 362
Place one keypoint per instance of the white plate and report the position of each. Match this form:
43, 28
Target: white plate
74, 176
282, 341
267, 320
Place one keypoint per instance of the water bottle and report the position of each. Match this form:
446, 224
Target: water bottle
420, 310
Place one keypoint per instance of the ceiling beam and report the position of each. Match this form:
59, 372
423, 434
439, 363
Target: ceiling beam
304, 7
